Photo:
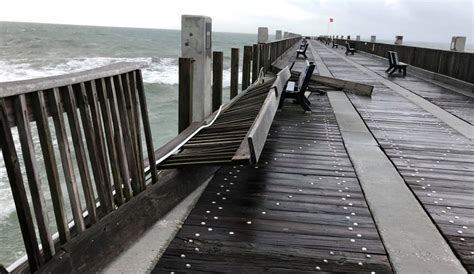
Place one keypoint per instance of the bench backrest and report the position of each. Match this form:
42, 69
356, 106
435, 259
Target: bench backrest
305, 76
304, 48
395, 57
392, 58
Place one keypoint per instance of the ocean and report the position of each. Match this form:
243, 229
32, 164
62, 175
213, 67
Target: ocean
30, 50
37, 50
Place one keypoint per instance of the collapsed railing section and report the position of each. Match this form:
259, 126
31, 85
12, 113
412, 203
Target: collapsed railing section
94, 120
255, 58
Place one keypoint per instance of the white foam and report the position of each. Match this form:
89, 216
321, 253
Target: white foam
159, 70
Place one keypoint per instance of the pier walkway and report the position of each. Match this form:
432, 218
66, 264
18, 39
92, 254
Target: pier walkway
361, 184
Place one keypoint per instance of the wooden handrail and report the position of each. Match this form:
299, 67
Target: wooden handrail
100, 111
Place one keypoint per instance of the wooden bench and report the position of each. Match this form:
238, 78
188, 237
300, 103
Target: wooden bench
296, 90
334, 45
394, 64
349, 49
302, 51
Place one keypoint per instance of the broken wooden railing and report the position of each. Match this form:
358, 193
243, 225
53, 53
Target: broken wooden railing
104, 112
234, 134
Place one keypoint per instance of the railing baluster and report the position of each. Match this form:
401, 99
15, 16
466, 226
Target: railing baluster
70, 106
119, 137
109, 131
56, 110
133, 129
136, 106
12, 165
99, 178
132, 163
91, 93
32, 173
146, 126
40, 116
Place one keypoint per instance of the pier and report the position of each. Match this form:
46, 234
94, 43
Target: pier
377, 178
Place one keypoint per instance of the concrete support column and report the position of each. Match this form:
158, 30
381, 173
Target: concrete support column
358, 38
262, 35
373, 38
348, 37
196, 43
285, 35
342, 36
278, 35
337, 36
398, 40
458, 43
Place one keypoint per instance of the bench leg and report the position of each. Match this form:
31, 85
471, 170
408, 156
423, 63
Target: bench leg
404, 71
282, 100
304, 54
393, 70
302, 103
306, 100
389, 68
347, 53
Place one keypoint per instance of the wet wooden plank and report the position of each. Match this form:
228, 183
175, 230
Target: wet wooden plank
297, 210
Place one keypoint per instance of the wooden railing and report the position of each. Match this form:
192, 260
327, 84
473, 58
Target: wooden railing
104, 112
254, 59
454, 64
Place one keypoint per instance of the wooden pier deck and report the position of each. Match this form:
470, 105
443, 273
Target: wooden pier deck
303, 207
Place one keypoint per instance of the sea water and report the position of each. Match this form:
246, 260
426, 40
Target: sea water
38, 50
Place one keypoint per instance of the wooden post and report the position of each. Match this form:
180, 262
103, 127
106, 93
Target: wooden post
234, 73
255, 62
261, 62
217, 67
246, 67
185, 93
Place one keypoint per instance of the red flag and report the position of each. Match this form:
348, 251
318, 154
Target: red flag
331, 20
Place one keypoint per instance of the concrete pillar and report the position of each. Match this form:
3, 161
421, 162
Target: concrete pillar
348, 37
262, 35
358, 38
342, 36
285, 35
398, 40
337, 36
373, 38
458, 43
278, 35
196, 43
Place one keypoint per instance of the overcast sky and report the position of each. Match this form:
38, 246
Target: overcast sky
416, 20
